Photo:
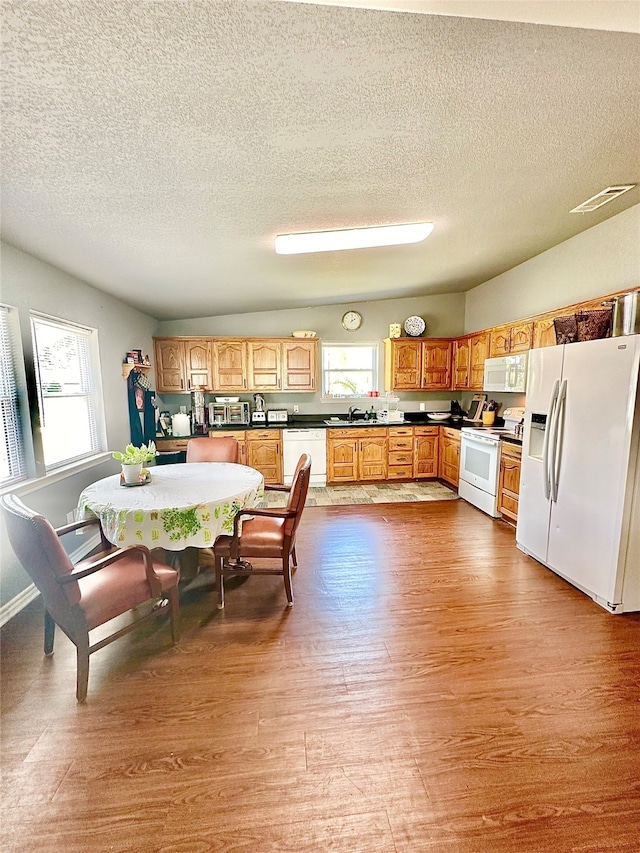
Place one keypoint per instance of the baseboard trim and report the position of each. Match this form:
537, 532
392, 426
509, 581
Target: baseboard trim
18, 603
27, 595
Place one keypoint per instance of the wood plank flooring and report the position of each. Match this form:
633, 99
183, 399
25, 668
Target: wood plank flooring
432, 690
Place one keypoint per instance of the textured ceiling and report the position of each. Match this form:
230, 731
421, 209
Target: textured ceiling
154, 149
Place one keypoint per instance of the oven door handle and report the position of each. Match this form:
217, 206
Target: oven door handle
546, 455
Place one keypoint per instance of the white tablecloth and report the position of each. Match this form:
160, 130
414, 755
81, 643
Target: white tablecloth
184, 505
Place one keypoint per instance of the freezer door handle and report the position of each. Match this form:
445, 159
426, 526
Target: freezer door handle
556, 450
546, 446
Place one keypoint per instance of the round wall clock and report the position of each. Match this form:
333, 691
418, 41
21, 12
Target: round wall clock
351, 321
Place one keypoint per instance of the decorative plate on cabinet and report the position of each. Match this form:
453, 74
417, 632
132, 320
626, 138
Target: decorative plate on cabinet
414, 326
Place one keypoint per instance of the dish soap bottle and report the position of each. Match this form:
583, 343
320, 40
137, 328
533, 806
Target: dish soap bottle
372, 414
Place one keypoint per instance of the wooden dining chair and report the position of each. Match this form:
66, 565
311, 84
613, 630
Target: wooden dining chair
82, 597
223, 448
264, 533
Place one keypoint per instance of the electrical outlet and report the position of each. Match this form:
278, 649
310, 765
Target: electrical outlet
296, 409
423, 407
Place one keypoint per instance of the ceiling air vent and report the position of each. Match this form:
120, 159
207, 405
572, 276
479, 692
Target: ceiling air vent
602, 198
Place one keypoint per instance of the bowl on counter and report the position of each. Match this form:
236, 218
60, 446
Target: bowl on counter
439, 416
303, 333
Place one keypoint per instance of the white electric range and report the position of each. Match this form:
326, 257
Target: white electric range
480, 461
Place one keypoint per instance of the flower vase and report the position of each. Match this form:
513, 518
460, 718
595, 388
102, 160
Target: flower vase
132, 473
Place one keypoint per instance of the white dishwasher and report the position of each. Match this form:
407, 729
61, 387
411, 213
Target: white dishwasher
295, 442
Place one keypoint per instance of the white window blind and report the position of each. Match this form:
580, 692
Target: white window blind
349, 370
12, 465
67, 390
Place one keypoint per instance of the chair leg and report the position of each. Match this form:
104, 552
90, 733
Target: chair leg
49, 633
294, 557
219, 582
286, 572
174, 606
82, 679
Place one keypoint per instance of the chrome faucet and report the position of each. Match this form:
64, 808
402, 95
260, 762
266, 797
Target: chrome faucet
352, 411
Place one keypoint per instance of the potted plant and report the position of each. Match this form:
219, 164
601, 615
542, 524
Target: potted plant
133, 458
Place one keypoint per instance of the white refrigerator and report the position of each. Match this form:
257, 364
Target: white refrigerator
579, 508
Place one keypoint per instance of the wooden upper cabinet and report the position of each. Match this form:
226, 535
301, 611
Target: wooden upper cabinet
461, 363
229, 365
515, 337
299, 360
265, 365
479, 351
521, 337
500, 341
197, 361
405, 360
169, 361
182, 365
436, 365
415, 365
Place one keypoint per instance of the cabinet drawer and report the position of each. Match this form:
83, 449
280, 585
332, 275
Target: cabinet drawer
395, 432
400, 472
399, 457
425, 430
171, 445
400, 443
263, 434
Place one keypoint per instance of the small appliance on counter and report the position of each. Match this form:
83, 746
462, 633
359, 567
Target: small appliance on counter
228, 413
198, 413
391, 414
258, 416
277, 416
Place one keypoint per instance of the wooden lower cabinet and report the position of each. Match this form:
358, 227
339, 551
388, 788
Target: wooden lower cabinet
264, 452
509, 483
400, 462
357, 455
425, 452
449, 467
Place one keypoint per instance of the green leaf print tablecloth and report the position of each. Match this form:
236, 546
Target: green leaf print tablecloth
184, 505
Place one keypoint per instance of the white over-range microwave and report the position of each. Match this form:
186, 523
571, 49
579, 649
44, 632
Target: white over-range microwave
506, 373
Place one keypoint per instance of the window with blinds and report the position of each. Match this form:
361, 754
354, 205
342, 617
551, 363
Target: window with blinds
70, 407
12, 462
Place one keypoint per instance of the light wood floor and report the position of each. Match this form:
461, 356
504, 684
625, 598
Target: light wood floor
432, 689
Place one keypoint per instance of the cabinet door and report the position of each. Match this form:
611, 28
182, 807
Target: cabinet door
509, 485
461, 363
500, 341
372, 454
425, 453
299, 365
169, 356
521, 337
479, 351
229, 366
436, 365
265, 365
198, 364
342, 459
407, 365
265, 454
449, 463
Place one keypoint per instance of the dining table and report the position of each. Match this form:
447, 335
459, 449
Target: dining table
178, 506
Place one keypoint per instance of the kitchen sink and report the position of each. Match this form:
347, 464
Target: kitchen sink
351, 423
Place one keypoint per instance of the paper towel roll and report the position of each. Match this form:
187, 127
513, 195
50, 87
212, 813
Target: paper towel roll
181, 424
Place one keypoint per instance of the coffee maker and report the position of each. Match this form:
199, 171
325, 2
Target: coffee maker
258, 415
198, 413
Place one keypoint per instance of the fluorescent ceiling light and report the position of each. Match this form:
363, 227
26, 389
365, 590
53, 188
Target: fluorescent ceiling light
353, 238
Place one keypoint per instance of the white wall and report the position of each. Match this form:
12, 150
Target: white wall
29, 284
601, 260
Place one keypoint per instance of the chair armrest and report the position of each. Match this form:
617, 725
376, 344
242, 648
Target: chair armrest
86, 522
76, 525
152, 577
277, 488
268, 513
